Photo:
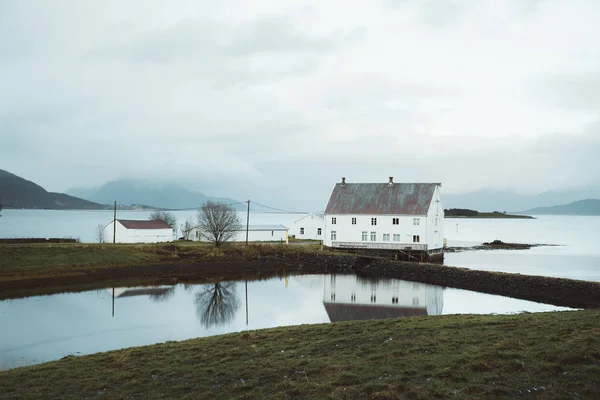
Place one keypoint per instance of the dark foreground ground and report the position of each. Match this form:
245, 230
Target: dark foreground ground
540, 356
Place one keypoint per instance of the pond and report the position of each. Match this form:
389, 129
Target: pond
44, 328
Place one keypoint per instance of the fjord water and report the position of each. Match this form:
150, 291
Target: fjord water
44, 328
576, 254
577, 257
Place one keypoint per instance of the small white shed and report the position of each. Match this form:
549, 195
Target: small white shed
133, 231
256, 233
309, 226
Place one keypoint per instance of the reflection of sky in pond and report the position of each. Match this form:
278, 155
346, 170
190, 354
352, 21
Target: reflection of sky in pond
44, 328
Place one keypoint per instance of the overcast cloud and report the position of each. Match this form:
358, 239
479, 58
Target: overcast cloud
280, 99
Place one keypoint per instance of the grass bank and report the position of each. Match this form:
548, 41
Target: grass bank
32, 269
542, 355
46, 260
27, 270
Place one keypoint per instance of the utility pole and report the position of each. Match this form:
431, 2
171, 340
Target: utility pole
115, 225
247, 220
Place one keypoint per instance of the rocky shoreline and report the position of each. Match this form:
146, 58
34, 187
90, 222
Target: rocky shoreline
496, 245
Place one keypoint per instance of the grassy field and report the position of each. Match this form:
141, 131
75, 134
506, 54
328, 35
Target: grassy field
545, 356
47, 260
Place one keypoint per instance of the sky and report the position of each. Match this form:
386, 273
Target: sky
281, 99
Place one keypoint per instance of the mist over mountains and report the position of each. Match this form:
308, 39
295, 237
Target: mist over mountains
159, 195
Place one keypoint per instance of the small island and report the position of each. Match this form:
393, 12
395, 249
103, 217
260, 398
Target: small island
467, 213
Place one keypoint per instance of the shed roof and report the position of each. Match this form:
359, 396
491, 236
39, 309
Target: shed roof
381, 198
143, 224
356, 312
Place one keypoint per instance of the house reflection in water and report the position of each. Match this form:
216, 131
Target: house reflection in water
155, 293
348, 297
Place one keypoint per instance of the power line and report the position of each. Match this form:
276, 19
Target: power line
287, 211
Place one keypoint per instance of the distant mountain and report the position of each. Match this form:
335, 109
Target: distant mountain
581, 207
129, 191
505, 200
16, 192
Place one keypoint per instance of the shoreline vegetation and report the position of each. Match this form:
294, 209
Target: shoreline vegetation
541, 355
547, 355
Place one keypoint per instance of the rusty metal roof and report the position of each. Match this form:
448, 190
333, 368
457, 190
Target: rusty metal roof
357, 312
381, 198
143, 224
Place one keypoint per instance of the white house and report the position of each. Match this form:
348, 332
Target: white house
256, 233
348, 297
310, 226
143, 231
395, 216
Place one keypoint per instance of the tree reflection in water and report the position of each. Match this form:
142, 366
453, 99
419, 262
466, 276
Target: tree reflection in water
216, 304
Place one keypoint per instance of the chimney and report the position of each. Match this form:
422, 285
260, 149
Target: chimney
391, 182
343, 181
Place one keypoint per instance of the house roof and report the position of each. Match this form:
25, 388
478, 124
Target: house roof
308, 215
381, 198
144, 291
143, 224
355, 312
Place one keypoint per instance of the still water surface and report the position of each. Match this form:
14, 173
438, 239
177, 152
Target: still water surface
44, 328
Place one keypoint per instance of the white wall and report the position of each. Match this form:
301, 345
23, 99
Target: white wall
253, 236
311, 225
346, 232
435, 222
137, 235
409, 294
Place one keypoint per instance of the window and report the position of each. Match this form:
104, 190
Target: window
364, 236
396, 237
395, 221
353, 221
416, 239
416, 221
386, 237
318, 231
373, 236
415, 301
332, 220
373, 221
302, 231
436, 221
272, 233
333, 235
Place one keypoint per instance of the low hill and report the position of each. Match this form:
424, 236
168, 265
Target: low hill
581, 207
16, 192
129, 191
468, 213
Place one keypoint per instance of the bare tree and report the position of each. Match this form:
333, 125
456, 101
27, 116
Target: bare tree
187, 229
218, 222
216, 304
99, 236
165, 216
